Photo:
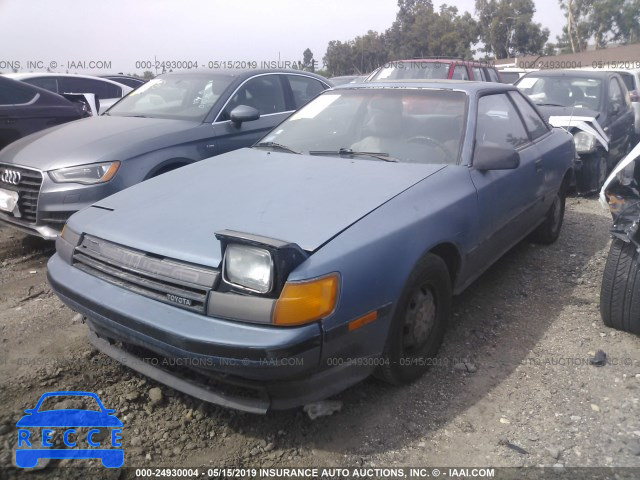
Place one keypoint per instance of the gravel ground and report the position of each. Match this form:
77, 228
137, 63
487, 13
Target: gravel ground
512, 385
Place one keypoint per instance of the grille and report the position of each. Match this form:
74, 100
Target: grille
170, 281
28, 190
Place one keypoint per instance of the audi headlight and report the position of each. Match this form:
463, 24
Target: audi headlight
248, 267
584, 142
86, 174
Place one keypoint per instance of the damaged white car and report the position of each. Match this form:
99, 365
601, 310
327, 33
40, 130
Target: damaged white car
596, 108
620, 294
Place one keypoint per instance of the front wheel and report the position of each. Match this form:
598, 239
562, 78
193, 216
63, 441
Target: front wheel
549, 230
620, 291
419, 322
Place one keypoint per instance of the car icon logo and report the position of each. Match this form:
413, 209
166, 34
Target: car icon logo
69, 422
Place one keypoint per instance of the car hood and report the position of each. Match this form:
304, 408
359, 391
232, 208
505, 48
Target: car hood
98, 139
548, 111
296, 198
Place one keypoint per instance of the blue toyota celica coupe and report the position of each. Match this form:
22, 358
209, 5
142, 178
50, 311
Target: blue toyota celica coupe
284, 273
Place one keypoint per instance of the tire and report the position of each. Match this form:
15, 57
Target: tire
620, 292
419, 322
602, 171
549, 230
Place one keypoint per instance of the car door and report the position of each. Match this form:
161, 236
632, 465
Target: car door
266, 93
618, 121
16, 117
508, 200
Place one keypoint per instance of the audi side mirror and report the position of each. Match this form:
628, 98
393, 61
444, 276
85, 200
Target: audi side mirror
244, 113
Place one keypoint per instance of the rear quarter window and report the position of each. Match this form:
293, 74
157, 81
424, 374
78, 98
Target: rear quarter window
15, 95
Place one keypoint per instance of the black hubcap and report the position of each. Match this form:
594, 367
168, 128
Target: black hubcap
420, 319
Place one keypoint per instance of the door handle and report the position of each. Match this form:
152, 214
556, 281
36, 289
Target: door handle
538, 164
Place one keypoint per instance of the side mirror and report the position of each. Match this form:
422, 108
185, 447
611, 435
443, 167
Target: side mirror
244, 113
634, 95
493, 157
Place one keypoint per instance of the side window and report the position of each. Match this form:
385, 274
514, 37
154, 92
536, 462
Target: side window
615, 95
111, 91
478, 74
499, 123
263, 93
48, 83
15, 94
460, 73
88, 85
492, 75
535, 125
304, 89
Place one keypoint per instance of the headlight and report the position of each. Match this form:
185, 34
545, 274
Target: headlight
248, 267
584, 142
86, 174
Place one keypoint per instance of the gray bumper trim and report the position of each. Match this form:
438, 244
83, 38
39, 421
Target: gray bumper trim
185, 386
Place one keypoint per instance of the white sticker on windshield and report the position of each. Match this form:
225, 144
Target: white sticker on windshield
317, 106
527, 82
147, 86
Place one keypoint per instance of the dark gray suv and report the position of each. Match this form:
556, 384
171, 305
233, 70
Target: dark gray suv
171, 121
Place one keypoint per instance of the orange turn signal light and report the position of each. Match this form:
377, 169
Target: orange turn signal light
306, 302
362, 321
111, 171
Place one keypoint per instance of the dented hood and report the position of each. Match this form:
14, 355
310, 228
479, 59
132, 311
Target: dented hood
296, 198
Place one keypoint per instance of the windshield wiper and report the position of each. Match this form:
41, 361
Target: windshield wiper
550, 105
347, 152
278, 146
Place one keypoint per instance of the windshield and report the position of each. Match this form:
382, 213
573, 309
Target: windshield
405, 125
181, 97
563, 91
412, 71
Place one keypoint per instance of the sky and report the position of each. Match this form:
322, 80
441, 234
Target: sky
111, 36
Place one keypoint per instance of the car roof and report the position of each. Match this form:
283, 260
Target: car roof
435, 60
22, 76
471, 87
243, 73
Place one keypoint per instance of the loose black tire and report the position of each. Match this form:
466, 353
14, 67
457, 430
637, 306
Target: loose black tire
620, 291
416, 330
549, 230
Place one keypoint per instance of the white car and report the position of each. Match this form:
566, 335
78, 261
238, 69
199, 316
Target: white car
631, 79
513, 74
107, 91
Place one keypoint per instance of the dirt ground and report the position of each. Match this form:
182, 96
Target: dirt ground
513, 373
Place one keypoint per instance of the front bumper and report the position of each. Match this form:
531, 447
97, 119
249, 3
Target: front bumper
280, 365
55, 203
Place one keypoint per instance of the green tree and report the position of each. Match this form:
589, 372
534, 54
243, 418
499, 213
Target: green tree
307, 60
148, 75
507, 28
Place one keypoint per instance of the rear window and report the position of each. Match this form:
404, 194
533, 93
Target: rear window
412, 71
